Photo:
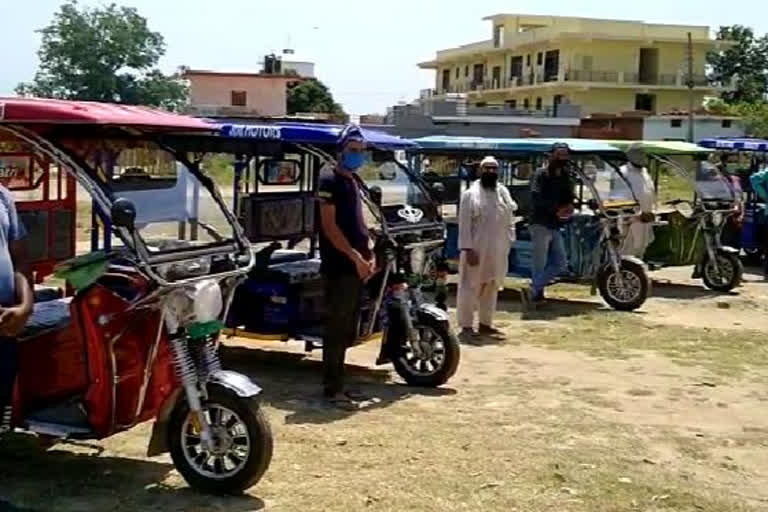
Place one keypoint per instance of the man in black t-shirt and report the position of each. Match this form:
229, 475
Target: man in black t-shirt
347, 259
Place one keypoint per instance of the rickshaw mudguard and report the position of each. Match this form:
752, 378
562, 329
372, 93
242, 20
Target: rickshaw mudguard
432, 312
635, 260
238, 383
728, 249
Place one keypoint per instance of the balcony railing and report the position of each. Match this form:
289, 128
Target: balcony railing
576, 75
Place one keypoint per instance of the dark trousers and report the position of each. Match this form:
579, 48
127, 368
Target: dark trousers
342, 295
9, 364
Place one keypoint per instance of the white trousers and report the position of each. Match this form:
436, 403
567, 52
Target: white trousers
480, 298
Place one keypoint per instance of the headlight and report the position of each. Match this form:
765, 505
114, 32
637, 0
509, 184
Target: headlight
717, 218
207, 300
417, 260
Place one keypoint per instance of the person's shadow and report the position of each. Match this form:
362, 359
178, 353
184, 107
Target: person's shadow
291, 382
36, 480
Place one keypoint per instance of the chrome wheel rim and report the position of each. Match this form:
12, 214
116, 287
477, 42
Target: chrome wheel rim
229, 449
429, 357
629, 289
724, 273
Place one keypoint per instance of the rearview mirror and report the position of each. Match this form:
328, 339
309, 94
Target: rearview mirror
438, 192
279, 172
123, 213
376, 195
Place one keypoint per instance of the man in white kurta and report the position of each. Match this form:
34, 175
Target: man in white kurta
486, 234
638, 230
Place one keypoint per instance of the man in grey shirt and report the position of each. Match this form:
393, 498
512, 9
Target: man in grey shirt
15, 301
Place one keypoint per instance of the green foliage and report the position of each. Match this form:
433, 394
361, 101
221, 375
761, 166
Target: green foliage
103, 54
746, 62
754, 115
312, 96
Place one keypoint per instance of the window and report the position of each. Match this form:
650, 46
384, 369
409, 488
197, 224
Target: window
526, 104
498, 36
481, 104
457, 73
511, 104
528, 60
539, 103
539, 59
516, 67
446, 79
646, 102
676, 123
466, 71
727, 123
239, 99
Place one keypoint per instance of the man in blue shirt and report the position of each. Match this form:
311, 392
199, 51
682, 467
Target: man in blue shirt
15, 301
347, 260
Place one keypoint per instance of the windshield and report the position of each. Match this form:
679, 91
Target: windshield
611, 187
711, 184
398, 190
173, 209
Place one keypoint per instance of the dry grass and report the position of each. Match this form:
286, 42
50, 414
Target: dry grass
583, 409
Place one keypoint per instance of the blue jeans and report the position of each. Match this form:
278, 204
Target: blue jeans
549, 258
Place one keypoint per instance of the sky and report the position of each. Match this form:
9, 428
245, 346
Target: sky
366, 52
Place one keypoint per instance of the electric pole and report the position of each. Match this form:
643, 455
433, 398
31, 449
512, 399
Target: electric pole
690, 88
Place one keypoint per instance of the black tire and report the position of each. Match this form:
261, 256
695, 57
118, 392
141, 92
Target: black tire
407, 365
260, 448
630, 270
735, 274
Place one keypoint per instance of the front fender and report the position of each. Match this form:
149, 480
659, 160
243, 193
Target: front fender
728, 249
241, 385
635, 260
431, 312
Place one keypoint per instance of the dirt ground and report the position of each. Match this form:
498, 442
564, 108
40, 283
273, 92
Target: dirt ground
581, 409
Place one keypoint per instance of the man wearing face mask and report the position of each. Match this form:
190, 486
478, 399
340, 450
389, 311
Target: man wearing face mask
486, 233
638, 230
552, 199
347, 260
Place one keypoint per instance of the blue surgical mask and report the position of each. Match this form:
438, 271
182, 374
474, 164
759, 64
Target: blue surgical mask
352, 161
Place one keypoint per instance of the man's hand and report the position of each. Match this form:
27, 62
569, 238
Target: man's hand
13, 320
472, 257
363, 266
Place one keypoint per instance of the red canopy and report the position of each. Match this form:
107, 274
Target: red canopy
46, 111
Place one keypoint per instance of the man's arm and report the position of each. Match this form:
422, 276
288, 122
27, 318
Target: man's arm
339, 241
13, 319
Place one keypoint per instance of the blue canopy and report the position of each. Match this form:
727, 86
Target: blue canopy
308, 133
735, 143
531, 145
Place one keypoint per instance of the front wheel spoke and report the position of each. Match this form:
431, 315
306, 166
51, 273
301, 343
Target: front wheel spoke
234, 458
240, 440
201, 459
218, 464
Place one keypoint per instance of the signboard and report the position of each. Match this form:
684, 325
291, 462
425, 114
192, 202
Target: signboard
15, 171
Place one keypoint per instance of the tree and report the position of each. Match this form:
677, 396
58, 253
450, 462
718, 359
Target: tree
753, 115
312, 96
746, 62
103, 54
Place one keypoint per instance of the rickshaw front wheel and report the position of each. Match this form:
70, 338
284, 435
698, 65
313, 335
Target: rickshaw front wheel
627, 293
240, 453
431, 361
728, 274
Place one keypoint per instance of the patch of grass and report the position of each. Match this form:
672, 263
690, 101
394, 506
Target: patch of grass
620, 335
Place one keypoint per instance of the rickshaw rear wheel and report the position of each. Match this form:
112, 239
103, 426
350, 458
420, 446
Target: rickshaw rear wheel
734, 270
634, 276
437, 363
244, 444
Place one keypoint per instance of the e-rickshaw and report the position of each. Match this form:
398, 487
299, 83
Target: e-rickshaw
592, 237
276, 176
690, 233
752, 154
138, 340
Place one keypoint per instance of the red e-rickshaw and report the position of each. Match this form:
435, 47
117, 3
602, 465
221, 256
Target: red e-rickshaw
138, 340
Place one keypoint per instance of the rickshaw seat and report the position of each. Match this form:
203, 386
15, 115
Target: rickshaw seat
46, 316
287, 256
